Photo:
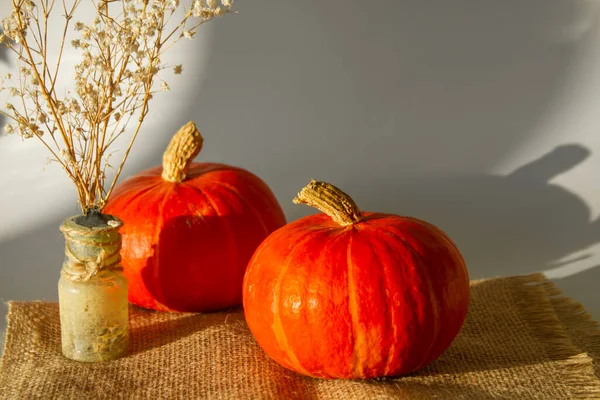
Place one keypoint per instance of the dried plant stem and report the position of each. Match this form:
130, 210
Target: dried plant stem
76, 176
135, 133
121, 56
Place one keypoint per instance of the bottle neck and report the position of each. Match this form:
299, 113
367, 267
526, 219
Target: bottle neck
90, 250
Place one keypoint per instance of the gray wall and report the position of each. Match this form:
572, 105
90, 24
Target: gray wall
461, 113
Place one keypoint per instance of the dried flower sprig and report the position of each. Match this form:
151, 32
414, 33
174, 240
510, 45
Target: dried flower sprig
121, 52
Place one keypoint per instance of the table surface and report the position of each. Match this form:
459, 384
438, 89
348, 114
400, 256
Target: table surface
502, 348
571, 286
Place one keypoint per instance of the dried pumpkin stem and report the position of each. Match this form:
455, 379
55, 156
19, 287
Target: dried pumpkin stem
185, 145
332, 201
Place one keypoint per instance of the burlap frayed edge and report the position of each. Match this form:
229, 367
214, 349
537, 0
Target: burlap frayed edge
579, 324
8, 334
580, 334
8, 339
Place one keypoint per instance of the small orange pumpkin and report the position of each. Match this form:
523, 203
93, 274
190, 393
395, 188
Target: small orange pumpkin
189, 229
350, 294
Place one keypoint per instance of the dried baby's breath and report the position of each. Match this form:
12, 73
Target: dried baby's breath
114, 81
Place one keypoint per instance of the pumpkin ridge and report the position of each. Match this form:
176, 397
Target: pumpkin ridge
389, 312
159, 224
449, 246
229, 228
239, 195
277, 326
435, 308
353, 310
433, 300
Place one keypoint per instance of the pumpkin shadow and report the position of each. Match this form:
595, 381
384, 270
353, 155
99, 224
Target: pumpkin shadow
217, 277
154, 329
503, 225
220, 338
446, 390
402, 389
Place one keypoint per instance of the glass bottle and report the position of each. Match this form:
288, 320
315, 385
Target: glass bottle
92, 291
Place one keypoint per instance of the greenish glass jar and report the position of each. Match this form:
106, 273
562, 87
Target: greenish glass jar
93, 292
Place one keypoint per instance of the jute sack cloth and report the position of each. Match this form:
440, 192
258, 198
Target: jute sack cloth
522, 340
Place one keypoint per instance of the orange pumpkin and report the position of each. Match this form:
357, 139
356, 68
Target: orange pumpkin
350, 294
189, 229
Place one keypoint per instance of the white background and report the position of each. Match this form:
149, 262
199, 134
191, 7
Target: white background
480, 117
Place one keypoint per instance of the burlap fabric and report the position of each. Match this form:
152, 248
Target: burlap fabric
522, 340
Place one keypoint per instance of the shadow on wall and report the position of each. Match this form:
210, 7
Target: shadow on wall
503, 225
327, 87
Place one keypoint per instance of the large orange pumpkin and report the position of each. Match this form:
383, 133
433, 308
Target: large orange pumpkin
347, 294
189, 229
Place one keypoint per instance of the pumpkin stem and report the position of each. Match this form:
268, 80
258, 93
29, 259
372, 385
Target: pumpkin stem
332, 201
184, 146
